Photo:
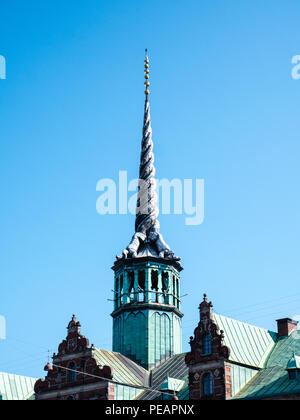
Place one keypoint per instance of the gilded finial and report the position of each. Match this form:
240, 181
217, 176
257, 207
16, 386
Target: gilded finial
147, 83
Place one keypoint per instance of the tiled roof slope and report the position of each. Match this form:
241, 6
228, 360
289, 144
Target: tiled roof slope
129, 373
176, 368
15, 387
249, 345
274, 381
125, 370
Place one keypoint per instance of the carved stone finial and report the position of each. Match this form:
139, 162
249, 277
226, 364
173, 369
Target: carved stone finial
205, 308
74, 324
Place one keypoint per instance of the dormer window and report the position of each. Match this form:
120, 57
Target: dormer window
207, 347
170, 387
293, 367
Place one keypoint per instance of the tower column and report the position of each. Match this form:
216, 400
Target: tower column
169, 289
125, 298
159, 286
136, 285
178, 292
116, 295
147, 284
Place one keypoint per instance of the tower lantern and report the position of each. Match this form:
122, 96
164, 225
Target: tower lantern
147, 315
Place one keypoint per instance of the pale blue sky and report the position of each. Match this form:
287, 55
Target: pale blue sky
224, 108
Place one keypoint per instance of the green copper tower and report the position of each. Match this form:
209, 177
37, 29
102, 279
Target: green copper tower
147, 316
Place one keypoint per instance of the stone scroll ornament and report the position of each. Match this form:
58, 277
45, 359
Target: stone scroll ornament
147, 235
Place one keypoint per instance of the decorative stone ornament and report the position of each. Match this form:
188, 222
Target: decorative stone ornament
74, 340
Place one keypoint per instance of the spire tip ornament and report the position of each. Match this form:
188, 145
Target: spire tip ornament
147, 83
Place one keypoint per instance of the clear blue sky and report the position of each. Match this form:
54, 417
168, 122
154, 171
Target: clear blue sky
224, 108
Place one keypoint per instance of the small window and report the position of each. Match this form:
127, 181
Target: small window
154, 285
174, 291
207, 344
165, 396
141, 286
72, 372
131, 290
165, 285
117, 292
120, 290
208, 384
292, 374
121, 283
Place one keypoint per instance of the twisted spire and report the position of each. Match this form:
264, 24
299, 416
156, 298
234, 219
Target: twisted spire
147, 210
147, 240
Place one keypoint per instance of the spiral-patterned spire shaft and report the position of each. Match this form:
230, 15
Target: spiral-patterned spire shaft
147, 241
147, 211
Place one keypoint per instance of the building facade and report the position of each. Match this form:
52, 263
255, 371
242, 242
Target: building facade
230, 359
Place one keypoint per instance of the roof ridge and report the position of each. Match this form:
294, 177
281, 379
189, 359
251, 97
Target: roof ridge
245, 323
20, 376
123, 356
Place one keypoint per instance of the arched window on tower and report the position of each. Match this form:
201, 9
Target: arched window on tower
131, 291
292, 374
72, 372
174, 291
165, 286
120, 290
208, 385
177, 291
154, 285
207, 344
141, 285
117, 292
